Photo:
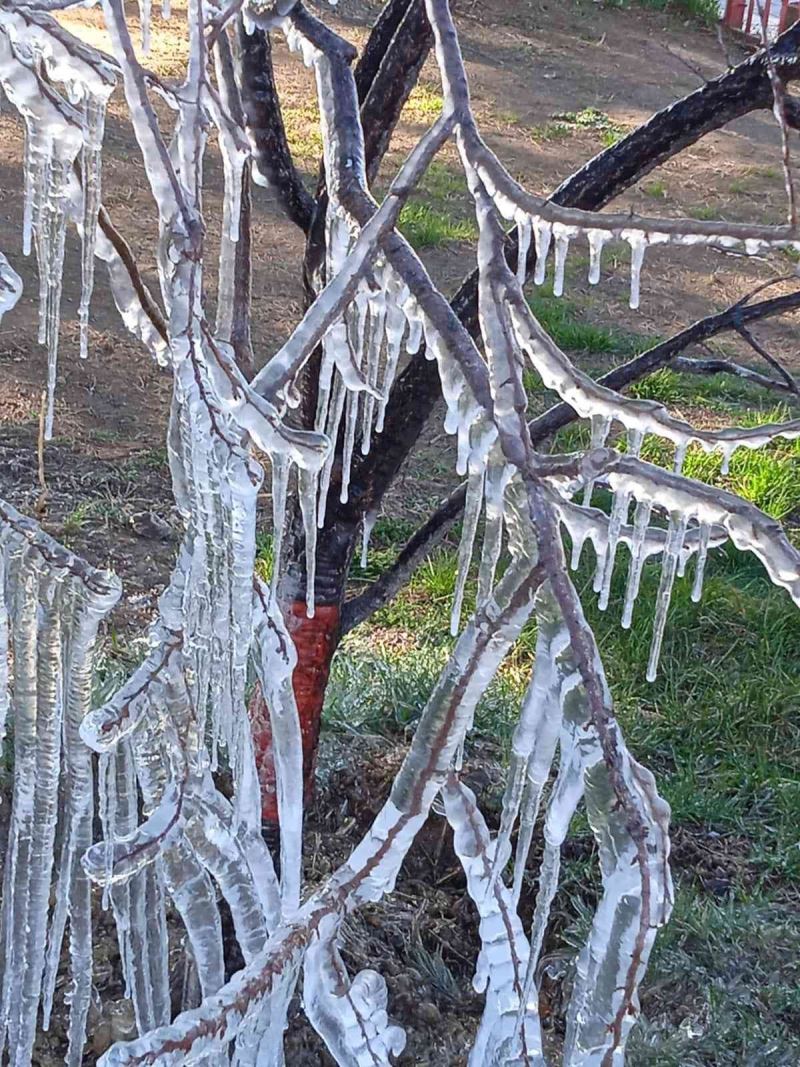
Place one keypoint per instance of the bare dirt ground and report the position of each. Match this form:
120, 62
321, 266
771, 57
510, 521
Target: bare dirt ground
108, 486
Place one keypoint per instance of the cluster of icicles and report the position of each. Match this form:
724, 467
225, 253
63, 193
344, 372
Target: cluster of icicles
170, 837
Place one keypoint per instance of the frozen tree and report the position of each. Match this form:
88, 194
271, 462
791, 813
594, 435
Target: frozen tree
377, 343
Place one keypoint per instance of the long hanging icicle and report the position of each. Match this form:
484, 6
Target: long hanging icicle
55, 603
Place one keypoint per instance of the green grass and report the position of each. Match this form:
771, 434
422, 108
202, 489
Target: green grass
567, 325
705, 12
426, 225
565, 123
656, 189
424, 104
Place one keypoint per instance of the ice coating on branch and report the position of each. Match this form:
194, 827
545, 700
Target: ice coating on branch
10, 286
54, 603
629, 821
56, 132
350, 1016
275, 659
501, 1040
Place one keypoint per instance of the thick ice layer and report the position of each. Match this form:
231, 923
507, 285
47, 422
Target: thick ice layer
509, 1031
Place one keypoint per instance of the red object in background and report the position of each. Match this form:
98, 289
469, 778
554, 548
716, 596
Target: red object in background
734, 13
315, 641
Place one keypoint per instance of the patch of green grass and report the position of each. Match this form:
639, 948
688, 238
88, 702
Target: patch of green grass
718, 392
704, 212
424, 103
589, 118
656, 189
564, 322
264, 556
303, 132
724, 986
427, 226
705, 12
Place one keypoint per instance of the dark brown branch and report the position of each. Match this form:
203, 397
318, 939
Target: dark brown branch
714, 365
436, 527
776, 365
265, 128
123, 250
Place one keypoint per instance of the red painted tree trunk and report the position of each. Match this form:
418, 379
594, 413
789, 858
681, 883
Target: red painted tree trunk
315, 640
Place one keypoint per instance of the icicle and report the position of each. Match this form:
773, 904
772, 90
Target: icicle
166, 9
394, 330
618, 518
597, 239
280, 482
94, 123
307, 491
600, 427
374, 346
144, 22
680, 456
727, 451
700, 566
638, 244
367, 526
10, 286
524, 233
497, 477
675, 535
635, 439
543, 233
560, 260
472, 511
641, 521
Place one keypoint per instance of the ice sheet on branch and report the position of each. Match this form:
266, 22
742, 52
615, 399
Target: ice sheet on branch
35, 53
51, 604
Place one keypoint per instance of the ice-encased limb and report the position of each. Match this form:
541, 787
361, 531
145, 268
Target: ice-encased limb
139, 909
504, 950
675, 534
641, 521
275, 660
700, 566
636, 901
10, 286
94, 115
210, 831
591, 399
543, 234
55, 602
472, 514
498, 474
350, 1016
109, 862
72, 893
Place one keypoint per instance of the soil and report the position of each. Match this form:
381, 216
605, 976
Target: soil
107, 485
